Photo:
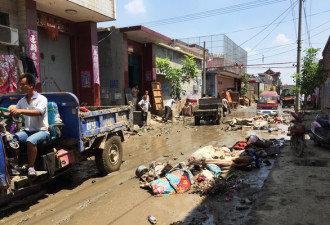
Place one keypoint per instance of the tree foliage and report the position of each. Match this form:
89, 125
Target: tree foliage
178, 76
311, 75
272, 88
245, 81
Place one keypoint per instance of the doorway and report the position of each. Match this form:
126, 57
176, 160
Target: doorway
55, 63
133, 70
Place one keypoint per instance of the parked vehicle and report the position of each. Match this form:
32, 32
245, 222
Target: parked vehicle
320, 129
208, 109
268, 102
287, 98
97, 132
297, 132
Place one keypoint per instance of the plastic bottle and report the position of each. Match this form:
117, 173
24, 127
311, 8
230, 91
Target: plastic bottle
152, 219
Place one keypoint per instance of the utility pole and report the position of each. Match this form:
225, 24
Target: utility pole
204, 71
297, 104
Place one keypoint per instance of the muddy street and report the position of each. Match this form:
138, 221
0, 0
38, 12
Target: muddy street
84, 197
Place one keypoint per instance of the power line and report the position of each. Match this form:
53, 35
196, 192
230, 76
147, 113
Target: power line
307, 28
320, 25
322, 32
293, 18
272, 29
253, 28
264, 28
215, 12
275, 54
278, 63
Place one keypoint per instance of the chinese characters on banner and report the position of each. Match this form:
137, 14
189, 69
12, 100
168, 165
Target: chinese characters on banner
85, 79
34, 51
96, 64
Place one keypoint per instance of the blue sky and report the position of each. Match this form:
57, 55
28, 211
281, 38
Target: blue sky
265, 28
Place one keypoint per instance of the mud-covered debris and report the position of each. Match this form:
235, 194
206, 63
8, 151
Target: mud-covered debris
242, 207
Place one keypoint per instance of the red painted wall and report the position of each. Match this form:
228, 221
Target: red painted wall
223, 83
82, 60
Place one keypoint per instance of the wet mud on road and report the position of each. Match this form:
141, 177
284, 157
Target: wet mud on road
83, 197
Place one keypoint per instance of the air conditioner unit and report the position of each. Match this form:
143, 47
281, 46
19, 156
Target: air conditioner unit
8, 35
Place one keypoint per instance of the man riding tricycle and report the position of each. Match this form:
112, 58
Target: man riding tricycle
42, 135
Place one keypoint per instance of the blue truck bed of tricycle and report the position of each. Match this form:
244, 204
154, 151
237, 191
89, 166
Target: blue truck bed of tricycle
98, 132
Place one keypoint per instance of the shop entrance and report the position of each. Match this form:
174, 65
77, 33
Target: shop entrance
55, 63
133, 70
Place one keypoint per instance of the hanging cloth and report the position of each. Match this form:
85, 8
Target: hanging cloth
28, 66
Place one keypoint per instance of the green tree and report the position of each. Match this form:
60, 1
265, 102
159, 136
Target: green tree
178, 76
311, 75
245, 81
272, 88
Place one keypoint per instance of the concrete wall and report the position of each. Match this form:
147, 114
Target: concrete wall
176, 58
223, 83
111, 68
9, 7
325, 90
105, 7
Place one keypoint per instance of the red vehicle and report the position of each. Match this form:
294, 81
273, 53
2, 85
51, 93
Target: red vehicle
268, 102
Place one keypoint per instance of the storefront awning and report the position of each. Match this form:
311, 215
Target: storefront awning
224, 73
144, 35
79, 11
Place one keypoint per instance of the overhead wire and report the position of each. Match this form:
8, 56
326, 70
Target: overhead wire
214, 12
307, 28
274, 54
264, 28
293, 18
253, 28
273, 28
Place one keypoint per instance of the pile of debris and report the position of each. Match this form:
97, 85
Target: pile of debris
259, 122
209, 170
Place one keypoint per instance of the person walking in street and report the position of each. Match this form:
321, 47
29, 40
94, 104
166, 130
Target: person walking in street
224, 106
168, 107
302, 100
313, 100
144, 105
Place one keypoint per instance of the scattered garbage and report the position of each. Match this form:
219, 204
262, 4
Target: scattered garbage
141, 170
152, 220
210, 169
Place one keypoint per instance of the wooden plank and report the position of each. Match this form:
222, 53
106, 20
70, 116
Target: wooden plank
157, 95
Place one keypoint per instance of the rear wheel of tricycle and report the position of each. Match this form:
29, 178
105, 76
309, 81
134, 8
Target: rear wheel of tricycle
299, 146
109, 159
197, 120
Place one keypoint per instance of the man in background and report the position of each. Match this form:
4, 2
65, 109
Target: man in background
144, 105
168, 107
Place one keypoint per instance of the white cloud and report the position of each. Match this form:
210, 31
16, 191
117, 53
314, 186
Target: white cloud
281, 39
250, 51
135, 7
